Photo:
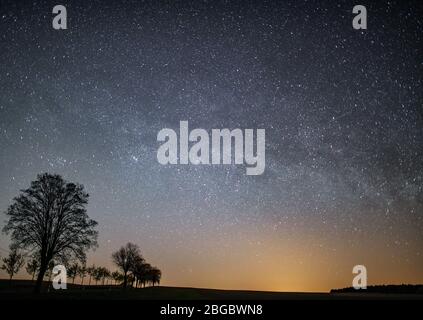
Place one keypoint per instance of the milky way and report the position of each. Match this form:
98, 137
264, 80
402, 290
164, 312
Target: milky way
342, 110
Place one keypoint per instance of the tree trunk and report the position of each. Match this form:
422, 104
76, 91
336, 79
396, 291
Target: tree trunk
40, 278
125, 279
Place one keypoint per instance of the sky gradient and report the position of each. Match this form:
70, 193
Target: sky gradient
342, 110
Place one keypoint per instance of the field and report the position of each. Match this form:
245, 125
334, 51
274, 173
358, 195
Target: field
22, 289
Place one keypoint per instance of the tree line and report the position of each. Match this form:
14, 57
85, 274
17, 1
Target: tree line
132, 270
49, 222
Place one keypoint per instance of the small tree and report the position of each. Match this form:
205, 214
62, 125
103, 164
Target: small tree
72, 271
105, 274
140, 270
32, 267
82, 272
91, 271
117, 276
145, 273
98, 274
13, 263
125, 258
155, 275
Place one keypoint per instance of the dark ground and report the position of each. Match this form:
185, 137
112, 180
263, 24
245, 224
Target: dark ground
22, 289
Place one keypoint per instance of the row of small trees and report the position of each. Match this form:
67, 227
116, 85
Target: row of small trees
49, 220
135, 271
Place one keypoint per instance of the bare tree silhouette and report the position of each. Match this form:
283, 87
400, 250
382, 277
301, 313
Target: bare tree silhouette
98, 274
91, 271
32, 267
125, 258
72, 271
82, 272
50, 218
138, 269
117, 276
155, 275
144, 273
13, 262
141, 272
106, 275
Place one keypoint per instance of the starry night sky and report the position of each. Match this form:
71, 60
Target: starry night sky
342, 110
